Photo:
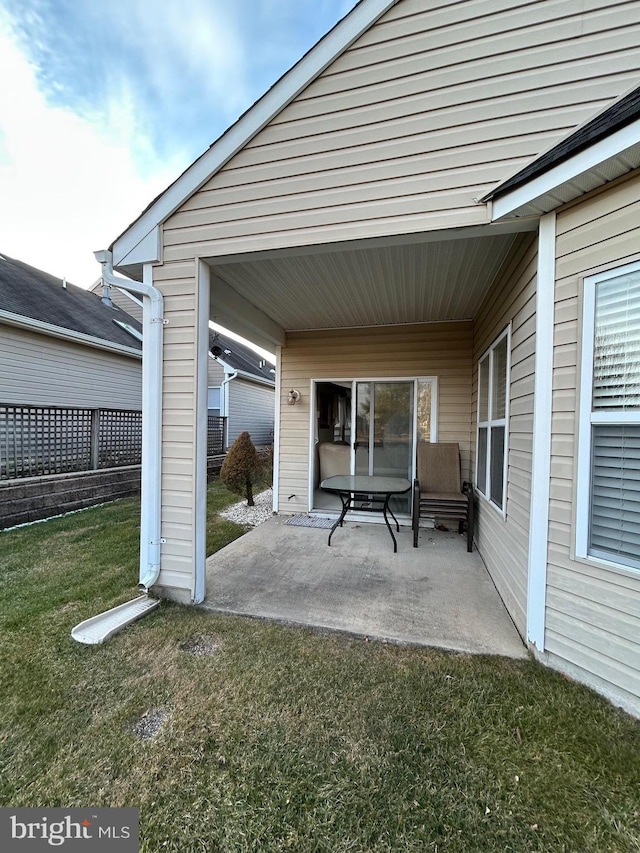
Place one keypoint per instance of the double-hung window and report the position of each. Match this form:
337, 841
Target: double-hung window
491, 454
608, 494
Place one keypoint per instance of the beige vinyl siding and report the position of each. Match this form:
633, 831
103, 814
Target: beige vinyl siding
251, 408
503, 542
421, 115
215, 373
178, 286
38, 370
592, 613
432, 349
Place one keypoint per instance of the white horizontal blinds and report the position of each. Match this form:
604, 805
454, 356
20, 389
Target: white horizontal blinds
492, 420
616, 363
614, 517
615, 504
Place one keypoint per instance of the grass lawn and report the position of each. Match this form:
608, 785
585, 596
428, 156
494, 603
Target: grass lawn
286, 739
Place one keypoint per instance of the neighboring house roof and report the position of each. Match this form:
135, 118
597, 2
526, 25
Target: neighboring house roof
604, 148
49, 303
241, 358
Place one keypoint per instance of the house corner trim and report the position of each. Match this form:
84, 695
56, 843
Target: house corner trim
541, 461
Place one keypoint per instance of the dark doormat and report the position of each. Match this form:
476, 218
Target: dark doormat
310, 521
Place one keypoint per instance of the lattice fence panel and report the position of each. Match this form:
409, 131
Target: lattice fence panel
37, 441
215, 435
120, 438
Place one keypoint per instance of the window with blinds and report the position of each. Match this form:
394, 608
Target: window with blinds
491, 444
610, 419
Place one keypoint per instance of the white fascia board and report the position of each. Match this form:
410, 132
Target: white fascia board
43, 328
145, 249
589, 158
350, 28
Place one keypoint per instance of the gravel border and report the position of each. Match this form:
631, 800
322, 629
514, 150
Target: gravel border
251, 516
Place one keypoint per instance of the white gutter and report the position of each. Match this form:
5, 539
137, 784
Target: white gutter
244, 374
152, 325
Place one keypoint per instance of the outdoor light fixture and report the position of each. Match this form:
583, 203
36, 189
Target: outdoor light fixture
293, 396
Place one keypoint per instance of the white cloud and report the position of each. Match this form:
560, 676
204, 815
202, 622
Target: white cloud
124, 95
69, 184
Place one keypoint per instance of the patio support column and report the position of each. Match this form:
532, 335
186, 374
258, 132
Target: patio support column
541, 461
276, 431
201, 427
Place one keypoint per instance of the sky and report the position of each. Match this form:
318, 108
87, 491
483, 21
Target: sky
103, 103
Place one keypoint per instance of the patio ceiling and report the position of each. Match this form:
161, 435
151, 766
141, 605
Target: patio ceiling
413, 279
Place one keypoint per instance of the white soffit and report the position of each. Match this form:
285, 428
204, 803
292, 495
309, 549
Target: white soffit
610, 158
378, 285
313, 63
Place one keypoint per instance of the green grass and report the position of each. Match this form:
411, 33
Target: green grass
287, 739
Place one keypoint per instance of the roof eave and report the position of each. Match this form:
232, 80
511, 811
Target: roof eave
593, 166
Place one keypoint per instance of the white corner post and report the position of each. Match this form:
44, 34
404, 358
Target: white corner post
203, 278
276, 430
541, 461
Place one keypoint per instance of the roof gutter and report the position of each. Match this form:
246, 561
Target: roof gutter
260, 380
244, 374
152, 326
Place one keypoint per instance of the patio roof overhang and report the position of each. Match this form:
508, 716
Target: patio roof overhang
413, 278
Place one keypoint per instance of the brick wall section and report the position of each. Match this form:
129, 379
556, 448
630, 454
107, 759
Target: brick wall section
35, 498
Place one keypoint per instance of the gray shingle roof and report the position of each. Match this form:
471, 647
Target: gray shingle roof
622, 112
240, 357
37, 295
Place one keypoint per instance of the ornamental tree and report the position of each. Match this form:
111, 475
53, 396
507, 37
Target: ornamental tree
242, 467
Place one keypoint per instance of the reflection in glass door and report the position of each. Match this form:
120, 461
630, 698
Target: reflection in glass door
384, 414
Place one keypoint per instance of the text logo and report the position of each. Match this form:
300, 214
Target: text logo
30, 830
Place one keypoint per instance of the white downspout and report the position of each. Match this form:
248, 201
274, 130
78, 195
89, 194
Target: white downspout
152, 325
225, 394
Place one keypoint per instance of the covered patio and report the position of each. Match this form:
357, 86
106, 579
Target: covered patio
435, 595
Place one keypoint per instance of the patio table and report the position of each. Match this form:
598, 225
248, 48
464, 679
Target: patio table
375, 491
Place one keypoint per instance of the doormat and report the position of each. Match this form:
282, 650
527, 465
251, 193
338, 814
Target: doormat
310, 521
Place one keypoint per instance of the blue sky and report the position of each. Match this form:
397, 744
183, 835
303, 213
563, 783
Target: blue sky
104, 102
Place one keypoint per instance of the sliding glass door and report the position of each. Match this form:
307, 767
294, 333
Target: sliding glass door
384, 414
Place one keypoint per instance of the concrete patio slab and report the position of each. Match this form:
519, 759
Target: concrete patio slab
435, 595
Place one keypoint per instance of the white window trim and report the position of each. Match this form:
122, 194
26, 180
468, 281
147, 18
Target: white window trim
506, 333
587, 418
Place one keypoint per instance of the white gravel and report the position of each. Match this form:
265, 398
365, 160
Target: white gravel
251, 516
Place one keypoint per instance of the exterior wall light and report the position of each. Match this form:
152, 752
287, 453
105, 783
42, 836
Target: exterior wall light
293, 396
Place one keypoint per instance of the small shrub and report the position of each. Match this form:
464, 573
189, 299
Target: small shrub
242, 467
